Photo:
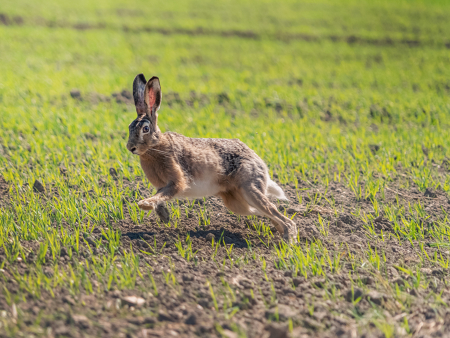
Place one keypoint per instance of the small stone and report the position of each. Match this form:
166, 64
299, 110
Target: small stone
375, 297
366, 280
108, 305
62, 331
398, 281
134, 301
64, 252
277, 330
351, 296
187, 277
378, 219
312, 324
164, 316
429, 193
113, 172
206, 327
320, 283
210, 237
81, 321
280, 280
38, 187
426, 271
115, 294
288, 273
374, 148
283, 312
437, 272
394, 272
75, 94
288, 290
298, 280
191, 319
68, 300
229, 334
149, 320
136, 320
319, 316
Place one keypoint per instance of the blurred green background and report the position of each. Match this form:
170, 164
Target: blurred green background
304, 83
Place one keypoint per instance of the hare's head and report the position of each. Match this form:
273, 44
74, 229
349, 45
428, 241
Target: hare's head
144, 131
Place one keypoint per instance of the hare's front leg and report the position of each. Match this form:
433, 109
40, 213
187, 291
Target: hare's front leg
156, 202
164, 194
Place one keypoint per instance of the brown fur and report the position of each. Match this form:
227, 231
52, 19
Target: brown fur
182, 167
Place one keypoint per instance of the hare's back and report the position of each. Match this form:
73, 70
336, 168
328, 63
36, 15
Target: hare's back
233, 156
230, 155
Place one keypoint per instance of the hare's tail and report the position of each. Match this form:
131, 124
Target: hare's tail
274, 190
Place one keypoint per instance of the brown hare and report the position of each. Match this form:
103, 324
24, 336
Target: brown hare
182, 167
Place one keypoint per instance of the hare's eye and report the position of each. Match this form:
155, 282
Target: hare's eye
146, 129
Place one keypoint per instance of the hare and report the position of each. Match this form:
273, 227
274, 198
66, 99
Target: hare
182, 167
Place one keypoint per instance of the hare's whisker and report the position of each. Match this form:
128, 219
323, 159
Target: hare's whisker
163, 152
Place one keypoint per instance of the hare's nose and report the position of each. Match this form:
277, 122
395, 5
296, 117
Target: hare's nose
133, 149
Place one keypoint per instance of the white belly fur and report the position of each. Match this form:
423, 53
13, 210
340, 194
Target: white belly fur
201, 187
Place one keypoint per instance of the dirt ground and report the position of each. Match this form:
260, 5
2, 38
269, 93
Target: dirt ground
267, 301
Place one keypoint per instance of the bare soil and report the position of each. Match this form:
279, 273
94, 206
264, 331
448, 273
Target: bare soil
268, 300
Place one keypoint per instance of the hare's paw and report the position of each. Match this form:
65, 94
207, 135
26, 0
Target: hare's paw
293, 232
146, 205
290, 233
163, 213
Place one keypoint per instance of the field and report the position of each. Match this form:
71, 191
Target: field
348, 102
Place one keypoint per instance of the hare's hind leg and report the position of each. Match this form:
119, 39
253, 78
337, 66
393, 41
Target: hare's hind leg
234, 201
259, 201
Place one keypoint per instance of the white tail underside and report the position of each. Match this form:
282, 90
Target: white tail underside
274, 190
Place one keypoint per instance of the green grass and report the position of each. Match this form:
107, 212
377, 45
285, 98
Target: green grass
313, 87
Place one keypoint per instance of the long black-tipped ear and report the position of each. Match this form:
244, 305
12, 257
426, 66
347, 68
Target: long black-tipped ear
138, 94
153, 96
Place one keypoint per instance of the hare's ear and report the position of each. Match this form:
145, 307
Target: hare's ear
138, 94
153, 96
